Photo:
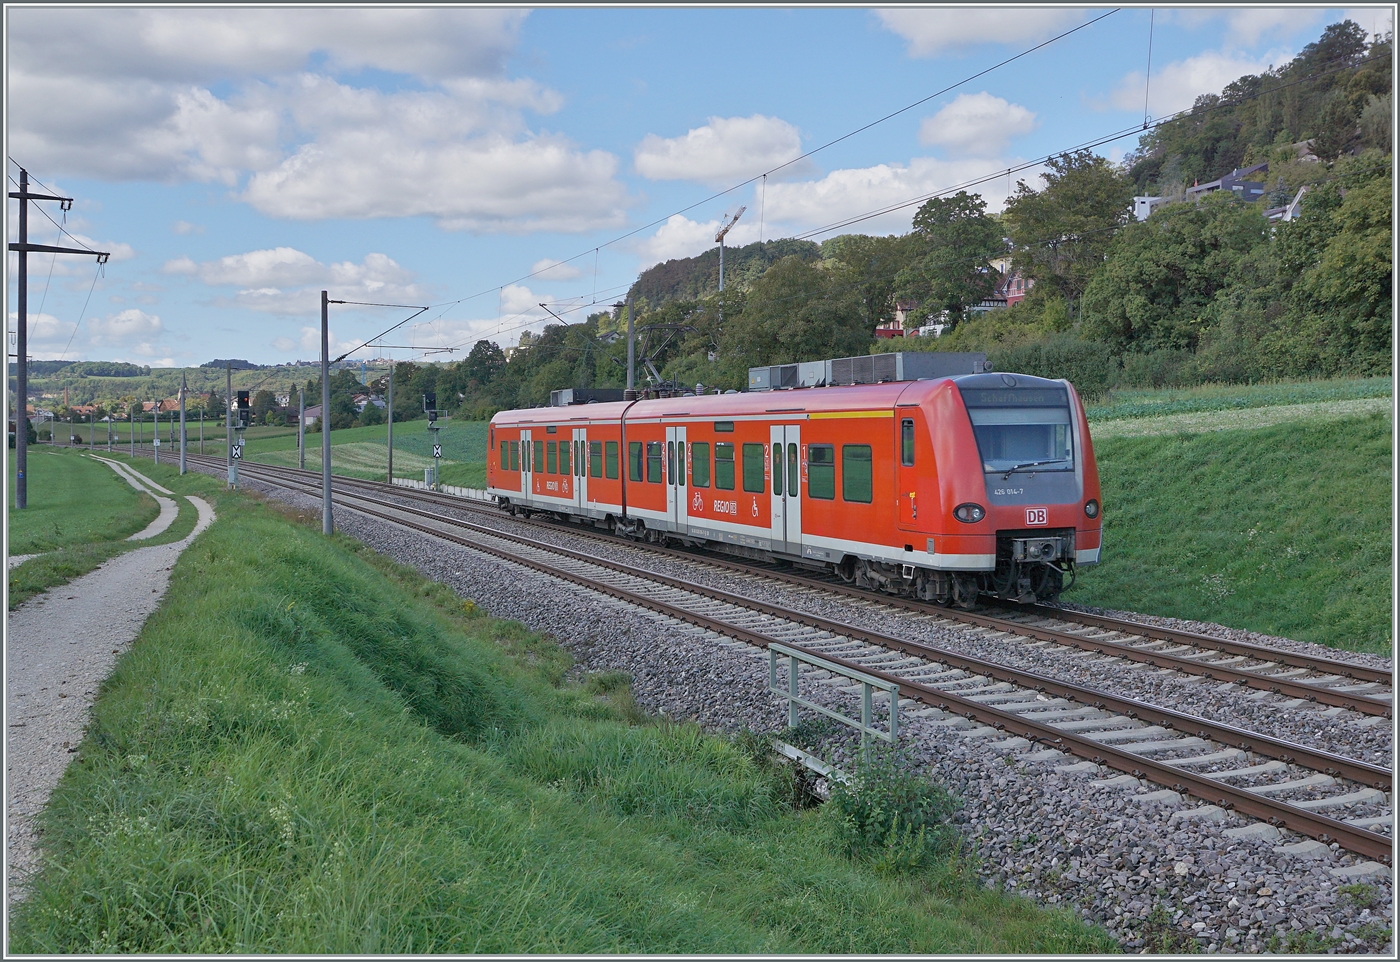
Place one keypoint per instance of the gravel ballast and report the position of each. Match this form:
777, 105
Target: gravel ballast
1153, 869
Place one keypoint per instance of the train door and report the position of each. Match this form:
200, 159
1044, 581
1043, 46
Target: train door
677, 491
906, 473
527, 465
785, 447
580, 467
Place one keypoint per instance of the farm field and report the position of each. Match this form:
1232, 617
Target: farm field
361, 452
311, 749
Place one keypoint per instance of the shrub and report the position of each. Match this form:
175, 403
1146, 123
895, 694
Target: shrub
1086, 364
890, 815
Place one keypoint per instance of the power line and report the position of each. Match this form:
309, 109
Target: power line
804, 156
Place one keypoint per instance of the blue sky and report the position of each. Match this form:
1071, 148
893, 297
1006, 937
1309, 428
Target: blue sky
237, 161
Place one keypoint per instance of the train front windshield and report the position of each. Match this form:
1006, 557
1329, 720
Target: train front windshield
1021, 429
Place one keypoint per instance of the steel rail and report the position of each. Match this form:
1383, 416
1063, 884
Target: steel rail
1353, 838
1315, 759
1352, 701
1181, 636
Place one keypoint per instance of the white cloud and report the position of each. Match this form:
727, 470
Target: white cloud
184, 227
933, 30
286, 281
1246, 26
977, 125
302, 144
466, 161
842, 194
1177, 85
203, 45
552, 270
794, 208
125, 326
280, 267
724, 150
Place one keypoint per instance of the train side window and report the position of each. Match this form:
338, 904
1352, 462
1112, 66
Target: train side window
753, 468
793, 487
724, 466
654, 462
551, 458
505, 455
671, 461
515, 455
564, 467
612, 460
595, 459
700, 464
778, 469
821, 472
680, 463
856, 482
537, 457
906, 442
634, 460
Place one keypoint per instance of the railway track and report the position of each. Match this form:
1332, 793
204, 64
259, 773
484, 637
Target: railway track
1284, 784
1297, 677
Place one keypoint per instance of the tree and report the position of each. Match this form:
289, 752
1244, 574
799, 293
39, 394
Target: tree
951, 269
485, 362
1061, 234
263, 402
372, 414
794, 312
869, 266
1161, 274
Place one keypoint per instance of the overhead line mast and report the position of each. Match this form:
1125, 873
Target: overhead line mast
23, 248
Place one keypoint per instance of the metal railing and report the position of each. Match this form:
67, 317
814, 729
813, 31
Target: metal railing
869, 683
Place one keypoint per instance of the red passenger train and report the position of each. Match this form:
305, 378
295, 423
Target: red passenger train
941, 489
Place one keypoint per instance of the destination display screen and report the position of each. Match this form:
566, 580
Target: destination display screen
1014, 397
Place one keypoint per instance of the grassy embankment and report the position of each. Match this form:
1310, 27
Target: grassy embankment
309, 749
79, 514
1263, 507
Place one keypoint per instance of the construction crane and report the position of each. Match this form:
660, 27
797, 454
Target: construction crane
719, 239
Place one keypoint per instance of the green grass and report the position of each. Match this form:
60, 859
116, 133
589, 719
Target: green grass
73, 500
73, 560
309, 749
1130, 403
1283, 529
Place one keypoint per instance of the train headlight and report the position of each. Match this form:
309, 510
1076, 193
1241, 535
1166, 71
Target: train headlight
1091, 508
970, 512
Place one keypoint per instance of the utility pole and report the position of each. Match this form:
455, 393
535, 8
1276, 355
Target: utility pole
155, 431
91, 440
631, 351
228, 422
23, 248
184, 387
327, 522
201, 430
391, 422
301, 428
131, 428
719, 239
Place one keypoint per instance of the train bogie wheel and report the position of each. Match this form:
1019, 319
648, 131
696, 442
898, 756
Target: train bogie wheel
965, 590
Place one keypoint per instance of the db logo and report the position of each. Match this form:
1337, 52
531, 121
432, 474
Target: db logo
1037, 516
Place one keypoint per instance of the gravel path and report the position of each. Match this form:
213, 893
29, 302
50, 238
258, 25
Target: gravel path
1145, 864
169, 510
59, 647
